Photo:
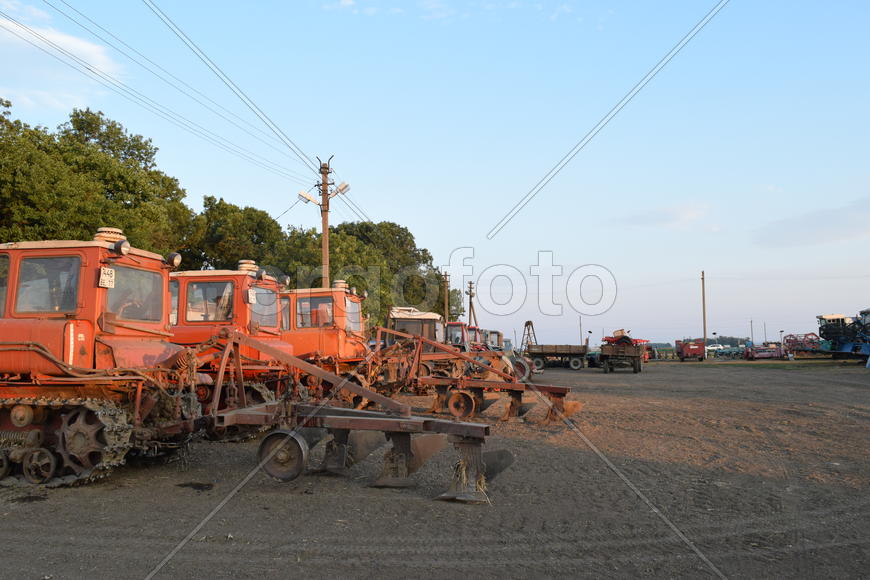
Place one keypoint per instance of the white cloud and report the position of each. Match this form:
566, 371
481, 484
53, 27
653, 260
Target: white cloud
821, 226
33, 79
23, 11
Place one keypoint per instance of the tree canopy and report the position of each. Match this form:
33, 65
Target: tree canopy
92, 172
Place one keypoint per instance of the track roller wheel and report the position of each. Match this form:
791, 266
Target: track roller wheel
283, 455
461, 404
39, 465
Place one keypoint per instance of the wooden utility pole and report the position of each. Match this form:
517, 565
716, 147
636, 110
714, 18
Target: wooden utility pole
445, 279
704, 310
472, 316
324, 218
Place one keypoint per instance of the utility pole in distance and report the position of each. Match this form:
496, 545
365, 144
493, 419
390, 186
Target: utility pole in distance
324, 219
445, 279
704, 310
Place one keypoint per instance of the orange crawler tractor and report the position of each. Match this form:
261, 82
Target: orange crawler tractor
324, 326
208, 302
87, 373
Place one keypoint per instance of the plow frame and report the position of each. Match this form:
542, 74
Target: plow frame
467, 388
290, 417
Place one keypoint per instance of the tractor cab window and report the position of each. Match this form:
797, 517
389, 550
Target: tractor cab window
285, 314
264, 310
173, 302
313, 312
137, 295
454, 334
209, 301
4, 282
354, 316
48, 284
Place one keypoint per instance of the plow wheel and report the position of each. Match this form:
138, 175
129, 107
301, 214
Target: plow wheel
79, 440
283, 455
461, 404
522, 370
39, 465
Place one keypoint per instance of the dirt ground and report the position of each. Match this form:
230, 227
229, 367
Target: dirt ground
764, 467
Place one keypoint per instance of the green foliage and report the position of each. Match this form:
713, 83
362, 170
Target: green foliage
90, 173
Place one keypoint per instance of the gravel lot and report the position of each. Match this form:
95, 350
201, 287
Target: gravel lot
764, 467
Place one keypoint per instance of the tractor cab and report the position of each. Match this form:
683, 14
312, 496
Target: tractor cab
412, 321
96, 304
495, 340
457, 335
476, 338
324, 322
835, 327
207, 302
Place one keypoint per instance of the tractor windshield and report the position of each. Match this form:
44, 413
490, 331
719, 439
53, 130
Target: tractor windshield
209, 301
137, 295
48, 284
454, 334
314, 311
264, 311
4, 281
354, 317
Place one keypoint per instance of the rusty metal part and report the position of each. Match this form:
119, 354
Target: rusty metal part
283, 454
469, 478
78, 440
234, 337
38, 465
21, 415
462, 396
461, 404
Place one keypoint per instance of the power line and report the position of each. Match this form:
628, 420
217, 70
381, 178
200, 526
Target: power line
147, 103
518, 207
247, 127
232, 86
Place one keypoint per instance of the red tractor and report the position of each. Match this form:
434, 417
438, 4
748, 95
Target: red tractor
87, 371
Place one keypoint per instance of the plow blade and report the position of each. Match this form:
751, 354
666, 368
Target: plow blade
406, 456
472, 472
361, 444
494, 462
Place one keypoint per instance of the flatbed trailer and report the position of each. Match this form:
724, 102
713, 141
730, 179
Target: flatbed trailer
570, 355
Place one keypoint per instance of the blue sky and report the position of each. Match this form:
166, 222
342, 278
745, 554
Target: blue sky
746, 156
